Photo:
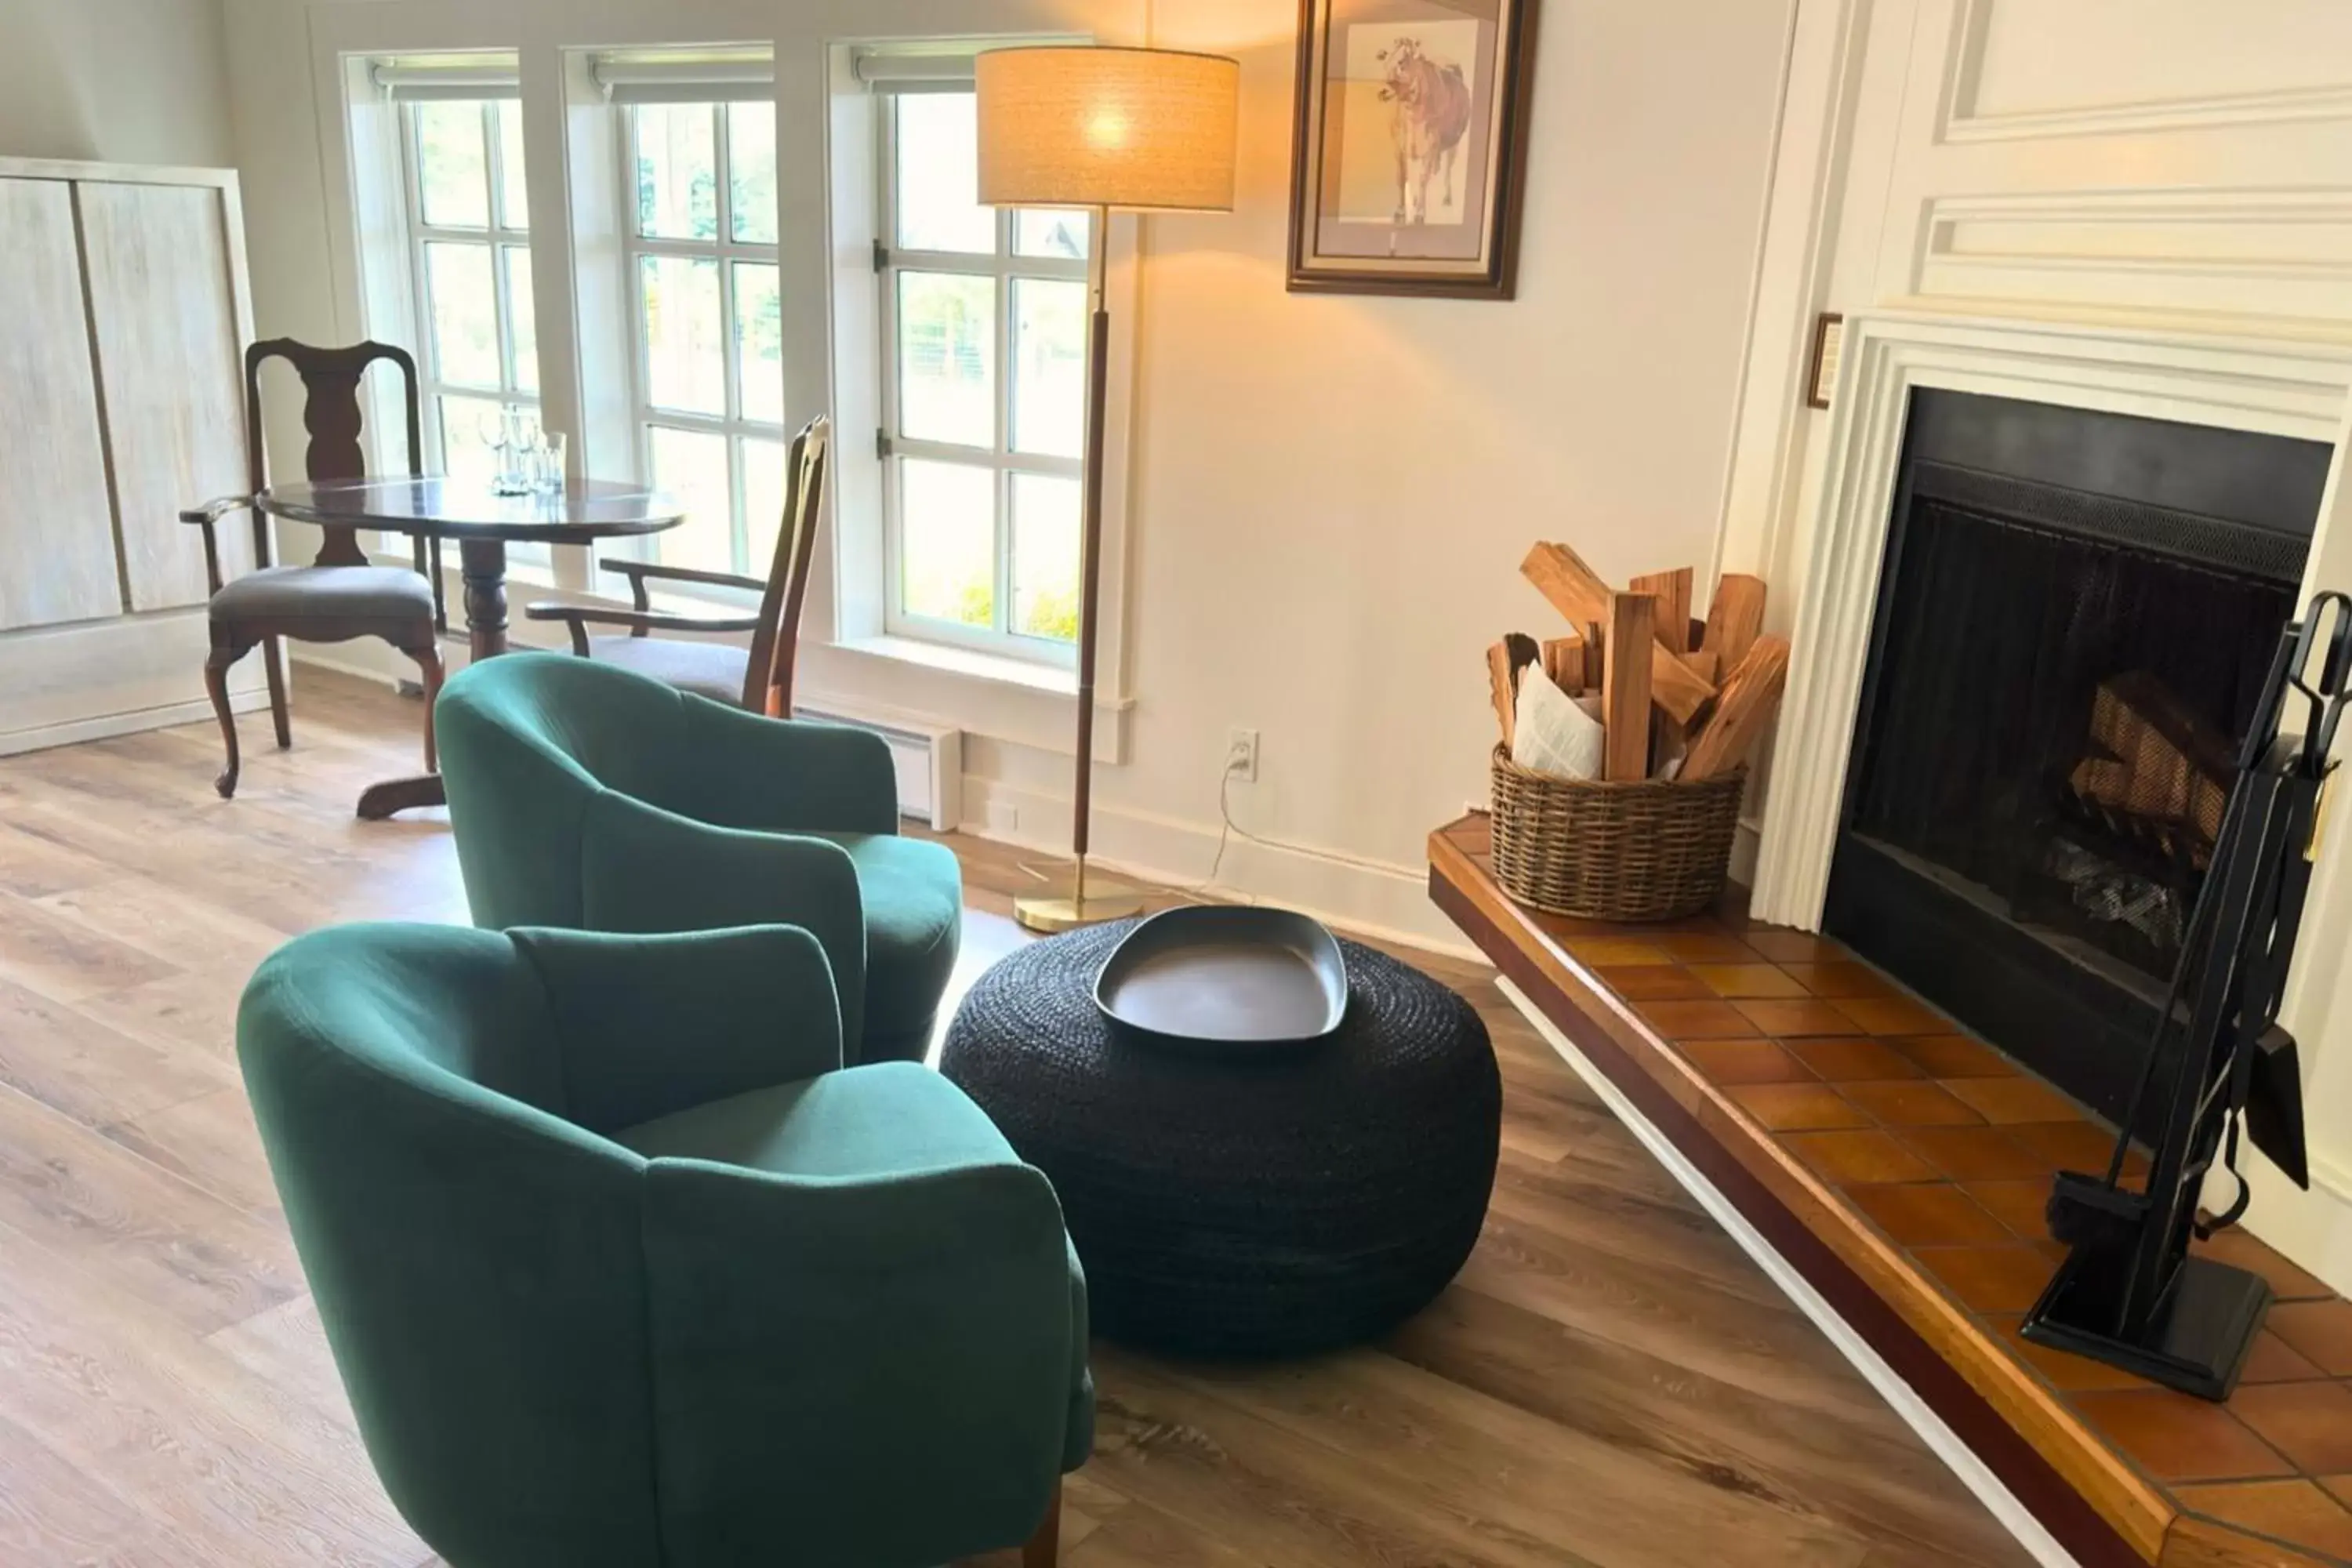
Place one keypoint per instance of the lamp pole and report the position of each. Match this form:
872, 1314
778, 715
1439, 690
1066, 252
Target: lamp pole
1096, 127
1051, 912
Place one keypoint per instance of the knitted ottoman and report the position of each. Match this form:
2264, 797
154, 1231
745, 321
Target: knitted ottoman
1226, 1206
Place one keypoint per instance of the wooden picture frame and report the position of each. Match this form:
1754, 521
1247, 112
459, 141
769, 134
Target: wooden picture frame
1419, 108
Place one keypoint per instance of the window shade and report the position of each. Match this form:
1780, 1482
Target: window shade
906, 70
715, 77
460, 77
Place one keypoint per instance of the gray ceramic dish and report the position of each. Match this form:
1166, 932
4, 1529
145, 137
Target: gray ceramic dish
1224, 980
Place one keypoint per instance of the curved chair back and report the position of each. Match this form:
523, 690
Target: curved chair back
776, 645
478, 1259
620, 1270
589, 797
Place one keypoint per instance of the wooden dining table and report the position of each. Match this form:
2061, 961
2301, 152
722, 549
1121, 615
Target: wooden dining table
482, 522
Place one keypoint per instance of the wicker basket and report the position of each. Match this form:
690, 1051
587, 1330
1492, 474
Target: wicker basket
1647, 850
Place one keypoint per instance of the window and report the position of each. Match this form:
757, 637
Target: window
985, 342
708, 333
470, 244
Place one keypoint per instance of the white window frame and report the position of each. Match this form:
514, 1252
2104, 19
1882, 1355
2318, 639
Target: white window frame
500, 239
724, 249
893, 445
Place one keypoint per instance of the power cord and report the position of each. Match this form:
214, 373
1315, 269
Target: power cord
1227, 831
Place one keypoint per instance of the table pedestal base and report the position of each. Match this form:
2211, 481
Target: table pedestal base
483, 564
379, 801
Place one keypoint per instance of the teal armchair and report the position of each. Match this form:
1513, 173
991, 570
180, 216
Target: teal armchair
589, 797
622, 1269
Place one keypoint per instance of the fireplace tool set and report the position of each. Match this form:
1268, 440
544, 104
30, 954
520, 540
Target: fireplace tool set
2128, 1293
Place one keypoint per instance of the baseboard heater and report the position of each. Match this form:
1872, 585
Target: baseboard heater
930, 763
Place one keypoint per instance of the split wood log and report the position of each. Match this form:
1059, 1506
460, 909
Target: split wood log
1669, 735
1504, 690
1735, 618
2160, 773
1596, 651
1578, 593
1563, 662
1673, 592
1750, 694
1708, 663
1625, 685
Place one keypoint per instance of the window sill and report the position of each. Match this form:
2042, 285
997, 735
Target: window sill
884, 678
974, 663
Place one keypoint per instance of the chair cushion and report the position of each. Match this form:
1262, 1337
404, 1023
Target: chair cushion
913, 892
324, 592
710, 669
892, 1117
889, 1119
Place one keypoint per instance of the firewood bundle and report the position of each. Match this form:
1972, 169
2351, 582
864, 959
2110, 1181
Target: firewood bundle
1673, 697
2156, 773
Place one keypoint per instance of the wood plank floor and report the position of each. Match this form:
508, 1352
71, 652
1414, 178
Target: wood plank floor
1611, 1382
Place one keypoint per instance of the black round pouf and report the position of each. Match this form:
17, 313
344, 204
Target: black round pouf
1254, 1207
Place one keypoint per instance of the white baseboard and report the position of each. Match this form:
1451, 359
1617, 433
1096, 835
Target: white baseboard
106, 725
347, 658
1375, 898
2314, 1228
1916, 1412
372, 660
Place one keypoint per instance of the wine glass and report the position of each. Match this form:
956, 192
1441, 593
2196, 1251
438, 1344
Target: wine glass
518, 438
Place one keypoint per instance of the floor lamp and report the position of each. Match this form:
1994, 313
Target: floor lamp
1102, 129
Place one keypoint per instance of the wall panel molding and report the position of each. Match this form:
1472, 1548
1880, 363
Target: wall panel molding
1966, 117
2282, 255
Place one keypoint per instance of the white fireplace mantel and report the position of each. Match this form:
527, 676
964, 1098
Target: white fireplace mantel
2272, 386
2276, 386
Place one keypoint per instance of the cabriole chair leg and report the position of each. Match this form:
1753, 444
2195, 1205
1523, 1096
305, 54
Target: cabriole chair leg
216, 668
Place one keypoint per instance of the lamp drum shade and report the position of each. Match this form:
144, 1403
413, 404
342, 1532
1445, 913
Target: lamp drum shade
1085, 126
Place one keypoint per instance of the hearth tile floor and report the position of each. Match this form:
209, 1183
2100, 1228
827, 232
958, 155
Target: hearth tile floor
1947, 1149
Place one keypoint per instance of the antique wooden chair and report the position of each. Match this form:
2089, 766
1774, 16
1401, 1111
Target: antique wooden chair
760, 680
340, 595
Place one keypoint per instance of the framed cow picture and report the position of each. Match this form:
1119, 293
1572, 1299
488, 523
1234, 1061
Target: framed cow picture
1409, 157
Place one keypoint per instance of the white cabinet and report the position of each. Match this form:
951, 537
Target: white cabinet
121, 400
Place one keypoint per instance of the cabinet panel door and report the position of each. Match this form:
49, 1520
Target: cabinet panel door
164, 306
57, 530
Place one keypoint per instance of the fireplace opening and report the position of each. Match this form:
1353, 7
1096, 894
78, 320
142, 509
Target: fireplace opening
2076, 613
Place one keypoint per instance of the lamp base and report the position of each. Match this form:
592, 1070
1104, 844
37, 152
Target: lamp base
1072, 898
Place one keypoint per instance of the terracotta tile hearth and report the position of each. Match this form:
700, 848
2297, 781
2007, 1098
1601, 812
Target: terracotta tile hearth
1902, 1165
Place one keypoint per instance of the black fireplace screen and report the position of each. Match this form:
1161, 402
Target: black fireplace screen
2052, 717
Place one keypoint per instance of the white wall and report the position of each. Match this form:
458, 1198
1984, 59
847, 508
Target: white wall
132, 82
1331, 495
1328, 496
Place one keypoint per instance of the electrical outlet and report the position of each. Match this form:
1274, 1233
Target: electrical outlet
1240, 756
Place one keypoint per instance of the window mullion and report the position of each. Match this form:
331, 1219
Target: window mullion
731, 373
1003, 370
886, 237
428, 358
1004, 551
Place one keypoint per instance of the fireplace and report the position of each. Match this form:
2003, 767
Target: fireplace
2073, 618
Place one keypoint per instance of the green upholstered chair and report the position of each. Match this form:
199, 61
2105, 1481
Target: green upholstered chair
593, 797
622, 1269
